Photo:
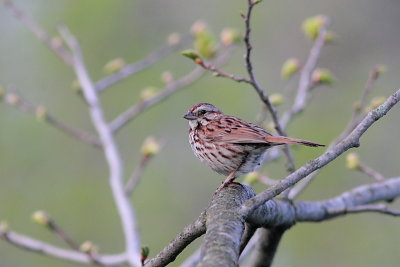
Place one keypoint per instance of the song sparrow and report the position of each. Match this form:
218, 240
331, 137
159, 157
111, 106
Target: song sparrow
229, 145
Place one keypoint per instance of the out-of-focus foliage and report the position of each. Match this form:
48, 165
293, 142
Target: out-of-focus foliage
42, 169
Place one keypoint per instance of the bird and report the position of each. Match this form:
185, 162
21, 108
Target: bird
229, 145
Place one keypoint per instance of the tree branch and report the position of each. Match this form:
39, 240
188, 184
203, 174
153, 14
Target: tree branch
225, 226
179, 243
136, 67
111, 151
16, 100
352, 140
41, 34
40, 247
277, 213
260, 91
264, 251
305, 82
170, 89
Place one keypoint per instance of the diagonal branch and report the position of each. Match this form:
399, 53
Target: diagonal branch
135, 67
170, 89
13, 99
305, 82
354, 121
352, 140
41, 34
111, 151
180, 242
40, 247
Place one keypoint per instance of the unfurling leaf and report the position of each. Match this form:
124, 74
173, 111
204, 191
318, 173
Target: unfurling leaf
290, 67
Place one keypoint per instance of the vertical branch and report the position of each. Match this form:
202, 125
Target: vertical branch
110, 148
305, 82
261, 92
265, 249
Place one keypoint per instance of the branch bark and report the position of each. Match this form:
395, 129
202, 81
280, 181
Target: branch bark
352, 140
225, 226
180, 242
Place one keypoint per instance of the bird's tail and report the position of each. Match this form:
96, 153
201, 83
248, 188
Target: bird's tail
279, 140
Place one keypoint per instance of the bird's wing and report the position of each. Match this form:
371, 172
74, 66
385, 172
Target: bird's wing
237, 132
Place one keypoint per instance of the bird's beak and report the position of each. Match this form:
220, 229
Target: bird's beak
190, 116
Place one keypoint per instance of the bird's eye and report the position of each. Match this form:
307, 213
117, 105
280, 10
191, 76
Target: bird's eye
201, 112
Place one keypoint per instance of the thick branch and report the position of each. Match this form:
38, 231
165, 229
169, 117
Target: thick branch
225, 226
277, 213
265, 249
181, 241
350, 141
260, 91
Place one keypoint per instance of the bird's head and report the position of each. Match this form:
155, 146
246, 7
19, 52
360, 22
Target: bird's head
201, 114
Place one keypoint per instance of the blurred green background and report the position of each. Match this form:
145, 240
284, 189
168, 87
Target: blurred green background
41, 168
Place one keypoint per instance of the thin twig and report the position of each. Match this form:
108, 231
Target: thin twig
135, 67
260, 91
60, 233
111, 151
354, 121
40, 247
39, 32
305, 82
137, 173
170, 89
371, 172
380, 208
220, 73
352, 140
357, 111
16, 100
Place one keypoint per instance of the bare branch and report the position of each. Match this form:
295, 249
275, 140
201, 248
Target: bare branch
170, 89
135, 67
40, 247
350, 141
380, 208
137, 173
371, 172
277, 213
357, 111
247, 235
264, 251
126, 212
305, 82
220, 73
193, 259
16, 100
354, 121
35, 28
221, 245
181, 241
260, 91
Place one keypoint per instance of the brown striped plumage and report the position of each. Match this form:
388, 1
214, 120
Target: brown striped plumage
229, 145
